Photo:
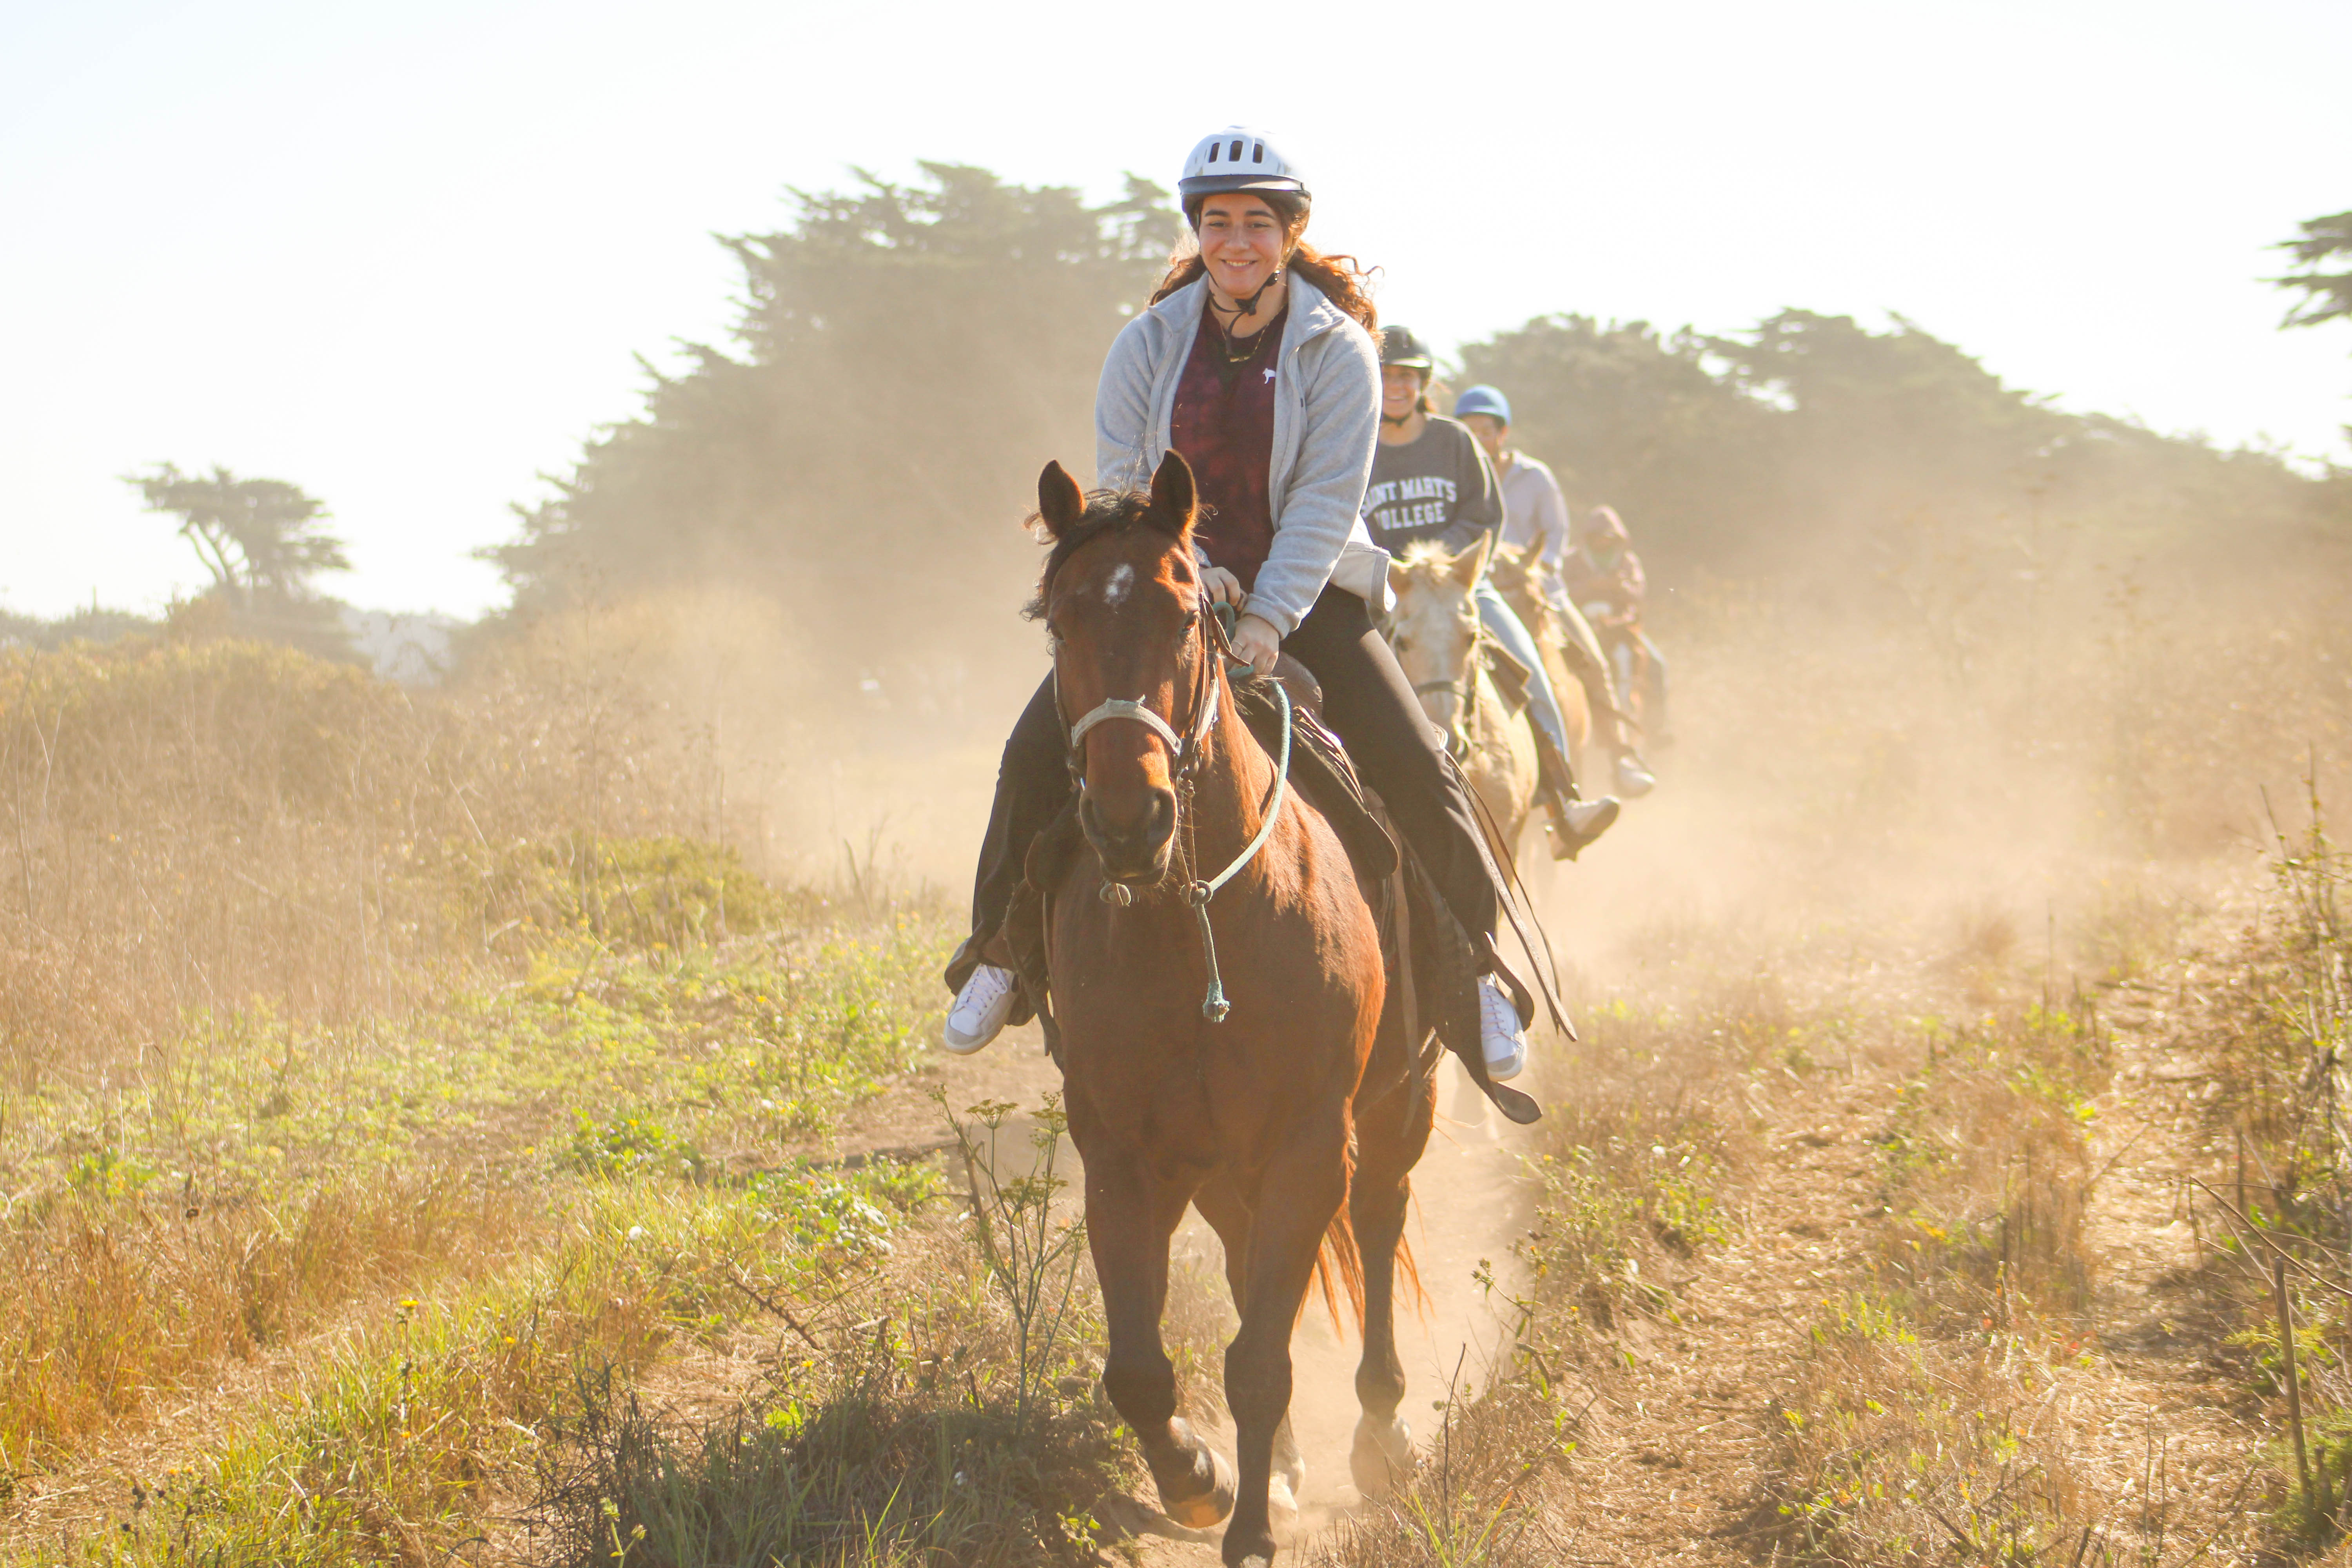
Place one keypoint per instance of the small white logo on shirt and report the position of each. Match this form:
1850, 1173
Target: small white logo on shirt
1269, 374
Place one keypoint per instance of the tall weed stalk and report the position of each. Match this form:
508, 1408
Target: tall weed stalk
1031, 1254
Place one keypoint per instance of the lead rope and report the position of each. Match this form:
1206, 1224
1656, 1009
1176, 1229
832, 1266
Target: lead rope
1214, 1006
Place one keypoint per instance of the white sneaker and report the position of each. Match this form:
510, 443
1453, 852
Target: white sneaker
1634, 778
979, 1010
1500, 1036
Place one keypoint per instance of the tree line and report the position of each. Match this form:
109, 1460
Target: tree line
909, 355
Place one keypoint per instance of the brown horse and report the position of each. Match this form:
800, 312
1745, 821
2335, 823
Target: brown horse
1439, 641
1265, 1121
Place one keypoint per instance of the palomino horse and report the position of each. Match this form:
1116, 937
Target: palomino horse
1518, 584
1438, 640
1266, 1120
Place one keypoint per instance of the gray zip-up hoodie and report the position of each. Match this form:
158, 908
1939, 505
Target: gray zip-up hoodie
1327, 421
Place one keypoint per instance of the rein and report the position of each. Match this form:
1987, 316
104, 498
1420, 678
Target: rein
1187, 751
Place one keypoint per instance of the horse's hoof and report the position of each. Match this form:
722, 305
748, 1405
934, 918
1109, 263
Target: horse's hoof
1382, 1457
1281, 1505
1290, 1472
1208, 1507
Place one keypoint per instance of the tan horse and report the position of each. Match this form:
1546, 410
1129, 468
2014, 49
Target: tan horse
1438, 640
1517, 586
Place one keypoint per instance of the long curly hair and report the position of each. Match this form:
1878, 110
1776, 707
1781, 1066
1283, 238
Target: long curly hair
1341, 279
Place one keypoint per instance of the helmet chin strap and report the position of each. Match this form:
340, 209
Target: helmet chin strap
1249, 307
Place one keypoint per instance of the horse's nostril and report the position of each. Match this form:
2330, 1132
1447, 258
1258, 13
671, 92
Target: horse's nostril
1134, 835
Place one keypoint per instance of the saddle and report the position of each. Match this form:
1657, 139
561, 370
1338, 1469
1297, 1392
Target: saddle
1433, 963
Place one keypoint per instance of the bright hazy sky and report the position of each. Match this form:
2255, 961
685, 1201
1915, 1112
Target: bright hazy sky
403, 255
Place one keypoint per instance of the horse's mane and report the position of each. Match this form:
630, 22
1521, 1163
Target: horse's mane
1427, 562
1107, 512
1425, 553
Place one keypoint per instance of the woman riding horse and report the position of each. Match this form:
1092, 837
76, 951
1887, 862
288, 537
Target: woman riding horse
1254, 360
1432, 481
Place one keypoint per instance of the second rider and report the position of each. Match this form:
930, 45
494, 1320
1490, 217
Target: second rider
1432, 480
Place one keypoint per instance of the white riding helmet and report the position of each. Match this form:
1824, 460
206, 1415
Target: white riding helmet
1236, 159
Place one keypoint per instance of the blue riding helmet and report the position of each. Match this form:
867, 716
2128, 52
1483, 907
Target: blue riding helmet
1483, 399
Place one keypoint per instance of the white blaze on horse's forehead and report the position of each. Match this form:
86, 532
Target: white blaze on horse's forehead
1119, 584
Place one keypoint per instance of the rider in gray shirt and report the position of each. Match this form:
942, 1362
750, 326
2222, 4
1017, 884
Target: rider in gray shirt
1439, 486
1432, 481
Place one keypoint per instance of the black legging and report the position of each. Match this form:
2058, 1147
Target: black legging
1367, 703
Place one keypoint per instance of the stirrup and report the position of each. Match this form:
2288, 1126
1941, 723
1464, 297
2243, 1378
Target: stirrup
1578, 823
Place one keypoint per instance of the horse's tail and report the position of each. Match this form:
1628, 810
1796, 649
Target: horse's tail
1339, 1263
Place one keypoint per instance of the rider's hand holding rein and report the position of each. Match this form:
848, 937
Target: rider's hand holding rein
1254, 638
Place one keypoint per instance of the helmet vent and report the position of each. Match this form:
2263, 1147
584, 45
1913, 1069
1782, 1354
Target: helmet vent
1233, 153
1215, 148
1257, 152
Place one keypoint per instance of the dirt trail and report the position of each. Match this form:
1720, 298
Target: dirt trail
1676, 1453
1469, 1206
1676, 1457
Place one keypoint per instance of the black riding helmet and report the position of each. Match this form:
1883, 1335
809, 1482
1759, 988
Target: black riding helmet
1399, 347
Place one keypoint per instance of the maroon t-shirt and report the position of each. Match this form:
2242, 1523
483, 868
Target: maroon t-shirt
1223, 424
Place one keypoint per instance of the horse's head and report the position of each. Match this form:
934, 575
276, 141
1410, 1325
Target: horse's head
1507, 566
1513, 571
1435, 628
1121, 600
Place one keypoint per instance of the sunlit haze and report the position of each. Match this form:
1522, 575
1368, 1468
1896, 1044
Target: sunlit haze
405, 255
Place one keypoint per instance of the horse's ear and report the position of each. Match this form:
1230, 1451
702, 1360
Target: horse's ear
1174, 498
1060, 503
1471, 564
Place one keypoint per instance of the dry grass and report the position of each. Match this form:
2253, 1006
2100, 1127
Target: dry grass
371, 1035
893, 1432
119, 1296
1938, 1408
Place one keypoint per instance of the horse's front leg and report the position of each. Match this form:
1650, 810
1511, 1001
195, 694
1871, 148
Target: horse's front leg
1299, 1193
1131, 1214
1390, 1137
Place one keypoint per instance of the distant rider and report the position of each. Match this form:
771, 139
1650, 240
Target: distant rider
1432, 481
1603, 577
1254, 359
1536, 522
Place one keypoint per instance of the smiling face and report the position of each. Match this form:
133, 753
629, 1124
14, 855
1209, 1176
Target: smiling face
1242, 240
1400, 390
